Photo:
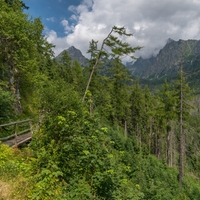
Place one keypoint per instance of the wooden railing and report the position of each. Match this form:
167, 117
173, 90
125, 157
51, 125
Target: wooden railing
18, 138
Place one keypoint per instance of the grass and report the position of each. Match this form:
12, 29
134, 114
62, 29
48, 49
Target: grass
15, 170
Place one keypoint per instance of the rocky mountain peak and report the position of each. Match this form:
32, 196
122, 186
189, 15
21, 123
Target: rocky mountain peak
75, 54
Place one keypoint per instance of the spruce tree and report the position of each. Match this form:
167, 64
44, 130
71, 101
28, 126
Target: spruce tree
168, 113
120, 78
183, 96
137, 111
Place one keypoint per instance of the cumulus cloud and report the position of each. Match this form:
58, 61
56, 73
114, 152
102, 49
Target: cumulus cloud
152, 22
60, 43
67, 27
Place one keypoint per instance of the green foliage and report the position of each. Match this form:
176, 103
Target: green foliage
156, 179
12, 162
119, 91
7, 111
15, 170
24, 50
191, 187
12, 3
48, 182
168, 99
84, 157
79, 189
187, 96
127, 190
118, 47
137, 108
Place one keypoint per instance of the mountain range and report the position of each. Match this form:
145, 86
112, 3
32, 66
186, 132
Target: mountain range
168, 60
165, 65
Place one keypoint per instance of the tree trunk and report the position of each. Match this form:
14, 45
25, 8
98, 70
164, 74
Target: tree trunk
95, 65
169, 148
157, 145
182, 143
125, 128
11, 79
18, 106
150, 136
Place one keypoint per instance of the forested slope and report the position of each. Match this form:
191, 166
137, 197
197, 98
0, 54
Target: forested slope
121, 141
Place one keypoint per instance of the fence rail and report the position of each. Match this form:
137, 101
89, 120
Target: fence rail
18, 138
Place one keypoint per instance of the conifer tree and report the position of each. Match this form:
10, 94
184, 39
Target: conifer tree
183, 96
116, 46
65, 67
166, 96
120, 78
150, 118
137, 111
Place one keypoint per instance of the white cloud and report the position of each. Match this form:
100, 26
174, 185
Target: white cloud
61, 43
152, 22
68, 28
52, 19
74, 17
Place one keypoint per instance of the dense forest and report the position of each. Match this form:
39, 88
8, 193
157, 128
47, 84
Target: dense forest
98, 134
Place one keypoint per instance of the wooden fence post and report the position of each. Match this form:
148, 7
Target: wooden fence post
31, 126
15, 129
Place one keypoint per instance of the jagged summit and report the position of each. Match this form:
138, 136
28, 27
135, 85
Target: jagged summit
169, 40
72, 48
75, 54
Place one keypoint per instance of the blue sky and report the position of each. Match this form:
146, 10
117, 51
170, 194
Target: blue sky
52, 12
152, 22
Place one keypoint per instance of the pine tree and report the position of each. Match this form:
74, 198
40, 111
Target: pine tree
117, 48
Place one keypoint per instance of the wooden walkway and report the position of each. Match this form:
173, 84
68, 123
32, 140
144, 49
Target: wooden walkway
18, 138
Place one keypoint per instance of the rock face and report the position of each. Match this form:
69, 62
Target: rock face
167, 62
75, 54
